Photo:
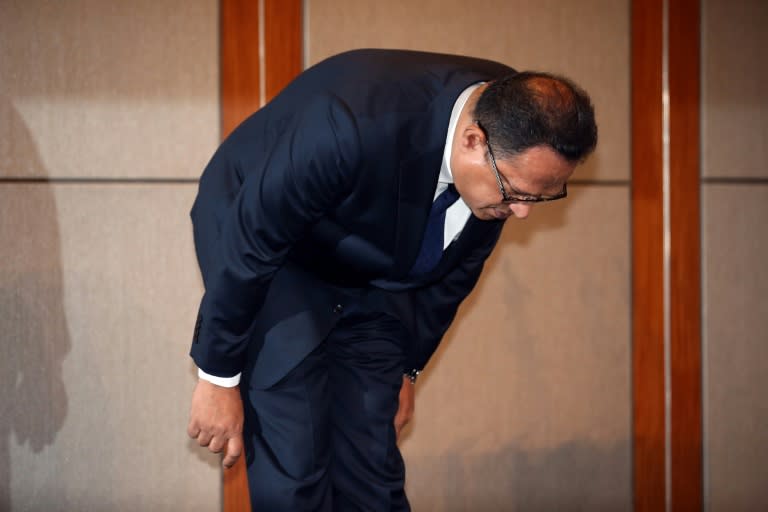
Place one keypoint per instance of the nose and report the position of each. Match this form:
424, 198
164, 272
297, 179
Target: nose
520, 210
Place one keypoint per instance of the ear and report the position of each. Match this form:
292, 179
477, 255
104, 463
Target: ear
471, 139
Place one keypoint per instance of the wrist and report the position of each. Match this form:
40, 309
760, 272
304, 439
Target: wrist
411, 374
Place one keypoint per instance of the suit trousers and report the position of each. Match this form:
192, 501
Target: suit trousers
323, 437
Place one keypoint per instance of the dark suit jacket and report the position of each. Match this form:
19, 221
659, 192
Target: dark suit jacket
321, 192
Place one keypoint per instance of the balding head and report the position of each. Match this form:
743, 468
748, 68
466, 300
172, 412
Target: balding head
529, 109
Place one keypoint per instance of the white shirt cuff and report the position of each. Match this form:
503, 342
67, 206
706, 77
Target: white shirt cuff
225, 382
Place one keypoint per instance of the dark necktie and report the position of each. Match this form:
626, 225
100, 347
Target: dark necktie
432, 246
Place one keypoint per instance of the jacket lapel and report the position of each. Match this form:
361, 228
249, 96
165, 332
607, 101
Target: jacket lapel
416, 189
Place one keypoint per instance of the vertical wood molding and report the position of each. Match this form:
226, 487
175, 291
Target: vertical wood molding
239, 66
649, 441
283, 41
239, 79
685, 254
240, 97
647, 257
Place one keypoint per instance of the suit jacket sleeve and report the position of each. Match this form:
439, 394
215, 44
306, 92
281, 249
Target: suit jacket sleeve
434, 307
310, 169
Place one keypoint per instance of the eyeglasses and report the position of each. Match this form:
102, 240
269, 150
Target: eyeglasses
515, 197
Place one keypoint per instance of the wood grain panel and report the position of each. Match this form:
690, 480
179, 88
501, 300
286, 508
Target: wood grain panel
240, 97
240, 94
283, 43
239, 62
685, 253
648, 257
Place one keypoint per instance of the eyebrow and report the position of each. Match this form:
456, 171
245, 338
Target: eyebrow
516, 191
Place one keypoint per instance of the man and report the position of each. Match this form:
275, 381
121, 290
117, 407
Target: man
337, 230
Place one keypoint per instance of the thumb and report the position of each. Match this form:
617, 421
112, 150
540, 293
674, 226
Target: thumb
233, 451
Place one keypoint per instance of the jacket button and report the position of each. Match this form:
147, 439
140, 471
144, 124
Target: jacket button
338, 309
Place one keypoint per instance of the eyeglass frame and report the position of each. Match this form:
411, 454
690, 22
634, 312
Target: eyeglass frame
509, 199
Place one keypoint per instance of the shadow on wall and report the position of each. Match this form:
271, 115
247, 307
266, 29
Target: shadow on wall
34, 339
574, 476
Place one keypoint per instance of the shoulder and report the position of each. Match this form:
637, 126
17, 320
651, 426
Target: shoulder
370, 65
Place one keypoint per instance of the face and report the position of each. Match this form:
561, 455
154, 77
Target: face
538, 171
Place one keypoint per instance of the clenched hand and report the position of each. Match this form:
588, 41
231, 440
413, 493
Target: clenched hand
216, 420
405, 406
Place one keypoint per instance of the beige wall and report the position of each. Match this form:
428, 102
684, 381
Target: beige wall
735, 252
527, 403
98, 283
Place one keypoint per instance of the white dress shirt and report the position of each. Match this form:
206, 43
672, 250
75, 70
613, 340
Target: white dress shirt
457, 214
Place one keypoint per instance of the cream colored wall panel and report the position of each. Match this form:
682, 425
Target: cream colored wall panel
99, 294
735, 285
586, 40
527, 403
108, 89
734, 78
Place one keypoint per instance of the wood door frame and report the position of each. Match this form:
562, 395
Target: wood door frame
666, 256
261, 51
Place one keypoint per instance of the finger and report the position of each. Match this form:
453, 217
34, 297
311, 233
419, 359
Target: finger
402, 418
216, 445
234, 450
204, 439
193, 430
